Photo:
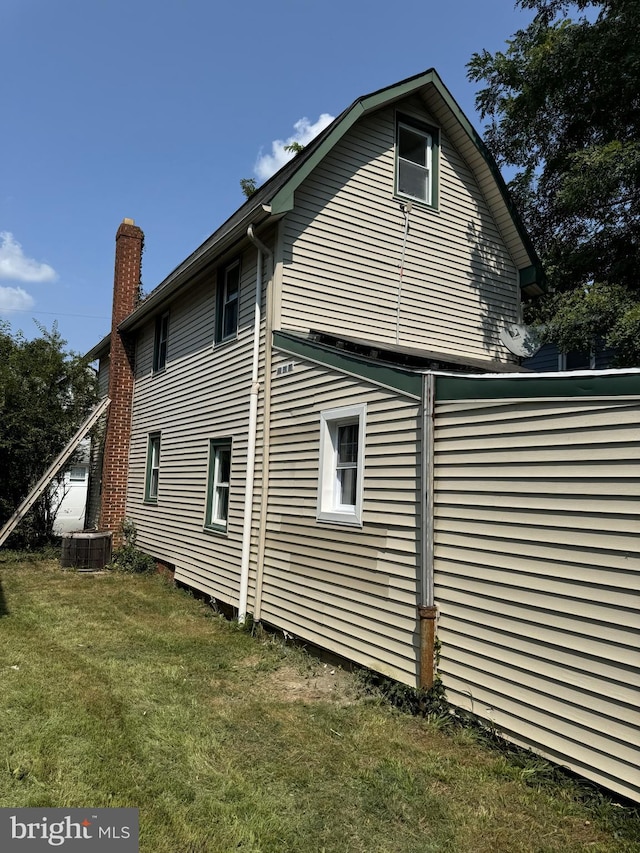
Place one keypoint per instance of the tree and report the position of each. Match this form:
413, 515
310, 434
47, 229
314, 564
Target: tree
248, 186
45, 394
563, 102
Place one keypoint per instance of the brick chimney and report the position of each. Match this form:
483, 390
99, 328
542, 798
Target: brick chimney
126, 295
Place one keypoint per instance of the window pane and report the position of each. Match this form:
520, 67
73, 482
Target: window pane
232, 282
412, 145
348, 443
578, 360
413, 180
153, 483
347, 478
221, 508
230, 319
223, 457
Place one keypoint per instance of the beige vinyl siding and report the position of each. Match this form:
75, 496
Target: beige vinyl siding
343, 246
202, 394
350, 590
537, 560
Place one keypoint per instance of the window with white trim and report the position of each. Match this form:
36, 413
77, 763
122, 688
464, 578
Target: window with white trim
153, 468
416, 161
341, 467
217, 511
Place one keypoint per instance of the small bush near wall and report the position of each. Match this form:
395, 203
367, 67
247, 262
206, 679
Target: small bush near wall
128, 558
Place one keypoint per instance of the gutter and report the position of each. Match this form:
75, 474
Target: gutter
252, 430
427, 610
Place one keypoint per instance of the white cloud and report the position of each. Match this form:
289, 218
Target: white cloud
14, 264
268, 164
15, 299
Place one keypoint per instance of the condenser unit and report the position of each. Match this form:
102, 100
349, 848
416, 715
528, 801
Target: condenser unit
86, 552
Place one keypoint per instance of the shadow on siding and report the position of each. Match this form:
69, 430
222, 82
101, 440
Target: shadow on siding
493, 281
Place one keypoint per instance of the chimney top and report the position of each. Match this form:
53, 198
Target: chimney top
127, 221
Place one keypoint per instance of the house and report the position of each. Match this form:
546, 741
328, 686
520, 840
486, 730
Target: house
392, 231
300, 410
549, 358
70, 493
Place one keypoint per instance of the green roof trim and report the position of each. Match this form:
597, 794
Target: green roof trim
606, 384
404, 381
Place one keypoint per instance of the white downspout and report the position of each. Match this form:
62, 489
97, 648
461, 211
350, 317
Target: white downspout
251, 438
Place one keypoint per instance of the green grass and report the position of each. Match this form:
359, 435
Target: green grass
119, 690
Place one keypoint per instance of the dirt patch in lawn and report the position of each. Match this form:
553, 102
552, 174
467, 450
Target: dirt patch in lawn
324, 684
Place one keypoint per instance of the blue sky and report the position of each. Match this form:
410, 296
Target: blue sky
154, 110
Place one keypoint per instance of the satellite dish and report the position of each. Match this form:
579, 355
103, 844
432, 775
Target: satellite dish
521, 340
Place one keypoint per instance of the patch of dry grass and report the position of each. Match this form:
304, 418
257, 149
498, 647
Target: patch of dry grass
119, 690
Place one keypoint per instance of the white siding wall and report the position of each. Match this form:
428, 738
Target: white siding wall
202, 394
343, 245
537, 568
349, 590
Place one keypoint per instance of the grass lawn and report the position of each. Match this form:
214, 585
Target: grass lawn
119, 690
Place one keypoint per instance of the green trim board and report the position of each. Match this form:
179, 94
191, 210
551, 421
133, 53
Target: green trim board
605, 384
405, 381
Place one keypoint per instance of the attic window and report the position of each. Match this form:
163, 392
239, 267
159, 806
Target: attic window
416, 161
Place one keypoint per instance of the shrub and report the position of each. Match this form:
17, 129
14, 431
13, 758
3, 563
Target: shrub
129, 558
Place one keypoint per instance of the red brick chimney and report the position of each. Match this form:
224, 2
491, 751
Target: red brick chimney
126, 295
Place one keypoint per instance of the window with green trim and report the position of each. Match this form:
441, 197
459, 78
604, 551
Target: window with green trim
227, 302
416, 161
153, 468
217, 511
160, 342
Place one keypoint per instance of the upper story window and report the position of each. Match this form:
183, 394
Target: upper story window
153, 468
341, 465
227, 302
416, 161
160, 342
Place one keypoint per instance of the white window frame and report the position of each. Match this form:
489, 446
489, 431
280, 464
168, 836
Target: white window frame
152, 481
428, 168
330, 508
213, 521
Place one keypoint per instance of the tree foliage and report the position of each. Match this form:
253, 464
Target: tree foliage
563, 103
248, 186
45, 394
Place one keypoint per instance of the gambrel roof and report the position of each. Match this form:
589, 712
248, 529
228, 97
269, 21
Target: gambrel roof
277, 195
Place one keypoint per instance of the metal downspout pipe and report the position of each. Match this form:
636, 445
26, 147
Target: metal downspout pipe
426, 608
252, 430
